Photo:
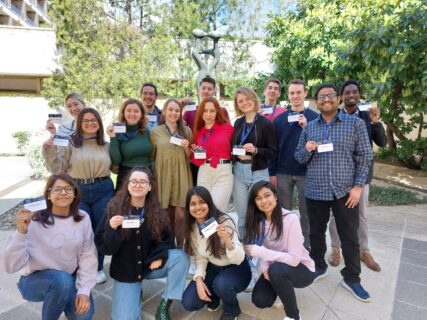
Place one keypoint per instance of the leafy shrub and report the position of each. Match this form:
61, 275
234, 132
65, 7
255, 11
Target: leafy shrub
21, 138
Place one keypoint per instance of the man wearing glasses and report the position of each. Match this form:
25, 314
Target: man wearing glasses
335, 146
152, 112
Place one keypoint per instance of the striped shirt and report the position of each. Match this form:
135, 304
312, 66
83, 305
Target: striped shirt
331, 175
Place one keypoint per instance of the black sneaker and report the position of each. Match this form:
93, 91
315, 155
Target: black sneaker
227, 316
214, 305
320, 274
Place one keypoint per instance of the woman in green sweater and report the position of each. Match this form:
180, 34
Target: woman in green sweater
132, 148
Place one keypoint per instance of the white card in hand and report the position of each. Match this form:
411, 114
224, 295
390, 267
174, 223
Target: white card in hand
175, 140
60, 141
267, 110
55, 117
131, 223
239, 151
364, 106
325, 147
209, 227
190, 107
293, 118
35, 204
119, 127
199, 154
151, 118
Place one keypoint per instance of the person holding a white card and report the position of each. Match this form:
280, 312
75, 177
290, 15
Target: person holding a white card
274, 235
87, 161
222, 270
351, 91
212, 152
254, 145
285, 171
131, 148
74, 104
136, 233
171, 152
270, 108
335, 146
53, 248
149, 95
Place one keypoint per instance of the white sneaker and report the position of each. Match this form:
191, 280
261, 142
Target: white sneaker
287, 318
101, 277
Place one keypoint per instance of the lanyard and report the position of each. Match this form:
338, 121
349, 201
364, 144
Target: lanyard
170, 132
260, 241
89, 139
245, 133
70, 130
141, 214
326, 131
206, 137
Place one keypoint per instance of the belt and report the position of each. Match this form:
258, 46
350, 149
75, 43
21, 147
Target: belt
244, 161
222, 161
90, 180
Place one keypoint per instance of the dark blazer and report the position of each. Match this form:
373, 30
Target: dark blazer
131, 257
262, 136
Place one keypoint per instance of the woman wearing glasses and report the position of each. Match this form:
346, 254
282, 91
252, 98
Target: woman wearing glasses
55, 252
212, 152
132, 148
172, 150
74, 104
274, 235
87, 161
137, 235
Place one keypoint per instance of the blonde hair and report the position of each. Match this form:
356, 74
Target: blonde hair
250, 94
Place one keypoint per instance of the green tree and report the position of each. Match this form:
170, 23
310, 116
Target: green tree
381, 43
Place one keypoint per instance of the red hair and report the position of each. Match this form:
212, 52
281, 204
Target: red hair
199, 123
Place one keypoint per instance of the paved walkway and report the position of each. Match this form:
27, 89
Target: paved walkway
398, 241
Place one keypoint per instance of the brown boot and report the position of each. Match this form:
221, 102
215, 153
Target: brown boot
367, 258
334, 258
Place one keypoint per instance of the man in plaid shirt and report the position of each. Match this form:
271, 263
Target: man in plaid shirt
338, 154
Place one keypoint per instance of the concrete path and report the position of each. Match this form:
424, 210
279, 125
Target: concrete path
398, 241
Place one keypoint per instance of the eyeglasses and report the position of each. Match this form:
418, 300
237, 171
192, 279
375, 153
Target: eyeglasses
58, 190
86, 121
329, 96
133, 183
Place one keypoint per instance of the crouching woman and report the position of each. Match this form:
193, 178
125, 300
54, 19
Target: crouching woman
137, 235
55, 252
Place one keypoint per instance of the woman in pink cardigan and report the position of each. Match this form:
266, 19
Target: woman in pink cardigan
274, 235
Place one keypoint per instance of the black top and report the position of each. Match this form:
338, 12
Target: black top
262, 136
131, 257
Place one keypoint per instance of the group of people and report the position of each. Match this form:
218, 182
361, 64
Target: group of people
177, 169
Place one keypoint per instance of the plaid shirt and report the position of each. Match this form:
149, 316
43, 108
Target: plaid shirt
331, 175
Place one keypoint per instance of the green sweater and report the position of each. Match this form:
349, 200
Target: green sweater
131, 152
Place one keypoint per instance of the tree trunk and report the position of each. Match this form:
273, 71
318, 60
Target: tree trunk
396, 94
390, 137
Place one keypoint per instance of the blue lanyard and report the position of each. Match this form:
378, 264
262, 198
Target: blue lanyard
260, 241
89, 139
141, 214
327, 126
170, 132
206, 137
245, 133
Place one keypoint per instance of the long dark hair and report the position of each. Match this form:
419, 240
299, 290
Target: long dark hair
43, 216
180, 125
254, 215
142, 123
76, 138
214, 243
156, 217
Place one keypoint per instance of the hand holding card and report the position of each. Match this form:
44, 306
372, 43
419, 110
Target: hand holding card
23, 219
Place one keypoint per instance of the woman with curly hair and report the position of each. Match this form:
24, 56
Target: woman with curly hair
54, 250
222, 270
137, 235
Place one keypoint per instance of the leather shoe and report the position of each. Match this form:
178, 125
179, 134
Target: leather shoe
334, 258
367, 258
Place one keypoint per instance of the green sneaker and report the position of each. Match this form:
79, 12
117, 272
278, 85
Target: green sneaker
162, 312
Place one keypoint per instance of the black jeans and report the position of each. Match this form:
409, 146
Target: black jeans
283, 279
347, 221
223, 283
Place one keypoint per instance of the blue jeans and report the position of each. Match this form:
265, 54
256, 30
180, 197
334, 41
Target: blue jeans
94, 199
223, 283
244, 178
57, 290
126, 296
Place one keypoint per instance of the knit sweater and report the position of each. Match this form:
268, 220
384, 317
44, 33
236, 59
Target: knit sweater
66, 245
132, 152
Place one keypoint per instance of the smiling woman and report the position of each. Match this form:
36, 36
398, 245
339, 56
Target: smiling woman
87, 161
60, 277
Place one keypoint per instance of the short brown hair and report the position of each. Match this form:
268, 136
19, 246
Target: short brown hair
274, 81
297, 81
